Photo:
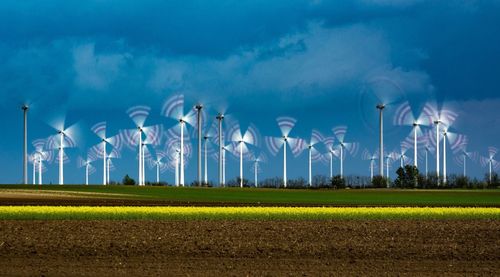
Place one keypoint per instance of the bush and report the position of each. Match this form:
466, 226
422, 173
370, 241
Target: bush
202, 184
127, 181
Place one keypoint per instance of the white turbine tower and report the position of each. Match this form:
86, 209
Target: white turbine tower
381, 108
313, 153
85, 162
115, 141
141, 136
455, 140
332, 151
344, 147
174, 108
243, 141
389, 158
257, 158
220, 144
404, 116
462, 155
39, 156
63, 139
208, 148
199, 126
172, 150
400, 154
372, 157
110, 166
25, 144
274, 144
158, 162
428, 148
442, 119
490, 162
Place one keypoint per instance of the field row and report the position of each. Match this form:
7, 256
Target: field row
241, 213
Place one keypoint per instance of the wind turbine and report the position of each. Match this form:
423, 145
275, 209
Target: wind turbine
274, 144
174, 108
114, 154
455, 140
313, 153
243, 140
199, 125
63, 139
86, 162
257, 158
115, 141
158, 161
220, 118
404, 116
173, 155
134, 137
401, 155
208, 147
462, 155
428, 148
231, 148
390, 158
329, 143
372, 157
443, 117
25, 143
350, 147
379, 92
39, 156
381, 108
490, 162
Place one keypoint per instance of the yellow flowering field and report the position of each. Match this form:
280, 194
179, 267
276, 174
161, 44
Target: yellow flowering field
245, 213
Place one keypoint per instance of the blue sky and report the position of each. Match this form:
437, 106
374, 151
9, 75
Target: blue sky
317, 61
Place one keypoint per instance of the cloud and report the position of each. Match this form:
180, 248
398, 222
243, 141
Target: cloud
96, 71
316, 61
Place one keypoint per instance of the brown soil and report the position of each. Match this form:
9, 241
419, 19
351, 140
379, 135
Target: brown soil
236, 248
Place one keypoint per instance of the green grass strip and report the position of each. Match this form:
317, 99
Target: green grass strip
241, 213
354, 197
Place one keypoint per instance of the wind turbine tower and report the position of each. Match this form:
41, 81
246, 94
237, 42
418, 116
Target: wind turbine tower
381, 107
198, 108
25, 145
219, 118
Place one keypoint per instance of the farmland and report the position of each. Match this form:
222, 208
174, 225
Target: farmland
124, 195
97, 230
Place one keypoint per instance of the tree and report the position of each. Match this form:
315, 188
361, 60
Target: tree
379, 182
127, 181
495, 182
407, 177
462, 182
338, 182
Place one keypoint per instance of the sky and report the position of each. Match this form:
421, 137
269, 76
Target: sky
324, 63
